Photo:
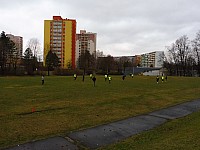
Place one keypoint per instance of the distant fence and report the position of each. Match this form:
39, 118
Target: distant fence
139, 70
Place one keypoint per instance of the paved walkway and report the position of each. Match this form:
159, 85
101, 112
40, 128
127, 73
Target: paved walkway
106, 134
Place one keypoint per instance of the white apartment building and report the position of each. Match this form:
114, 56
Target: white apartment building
85, 41
152, 59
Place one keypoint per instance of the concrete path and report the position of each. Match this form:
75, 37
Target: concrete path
106, 134
113, 132
55, 143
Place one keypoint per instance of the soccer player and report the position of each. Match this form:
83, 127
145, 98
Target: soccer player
94, 79
75, 76
162, 78
42, 79
106, 76
109, 79
157, 79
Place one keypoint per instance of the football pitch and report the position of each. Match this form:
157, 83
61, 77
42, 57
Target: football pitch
31, 111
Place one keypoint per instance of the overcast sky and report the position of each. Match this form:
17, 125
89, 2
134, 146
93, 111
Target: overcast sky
123, 27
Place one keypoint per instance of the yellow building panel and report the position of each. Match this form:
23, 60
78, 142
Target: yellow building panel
47, 25
68, 43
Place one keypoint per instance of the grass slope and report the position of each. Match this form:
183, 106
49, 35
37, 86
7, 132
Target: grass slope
177, 134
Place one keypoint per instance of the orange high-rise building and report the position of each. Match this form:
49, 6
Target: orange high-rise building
60, 38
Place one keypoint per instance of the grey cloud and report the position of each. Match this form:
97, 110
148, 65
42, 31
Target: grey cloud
122, 27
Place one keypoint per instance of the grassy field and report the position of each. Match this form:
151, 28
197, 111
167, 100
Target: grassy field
63, 105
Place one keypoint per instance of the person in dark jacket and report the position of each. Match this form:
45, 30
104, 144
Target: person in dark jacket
94, 79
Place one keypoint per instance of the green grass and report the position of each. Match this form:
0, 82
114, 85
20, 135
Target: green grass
63, 105
183, 134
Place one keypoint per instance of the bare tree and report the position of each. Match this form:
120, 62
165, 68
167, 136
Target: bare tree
184, 52
125, 62
180, 52
34, 45
106, 64
99, 54
196, 50
173, 58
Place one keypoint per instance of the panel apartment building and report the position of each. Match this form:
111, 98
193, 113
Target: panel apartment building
60, 38
152, 59
85, 41
18, 40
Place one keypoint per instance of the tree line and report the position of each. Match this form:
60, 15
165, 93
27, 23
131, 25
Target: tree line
11, 61
183, 57
104, 64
